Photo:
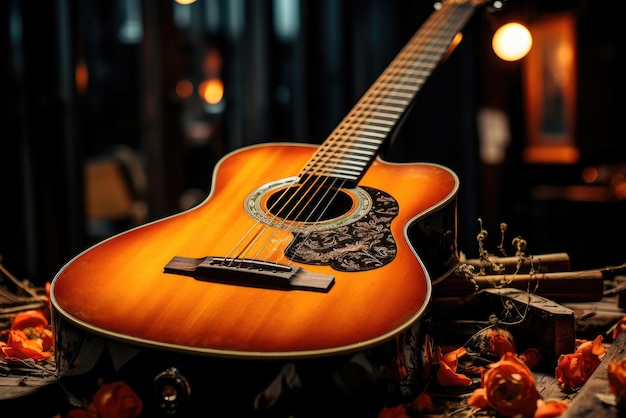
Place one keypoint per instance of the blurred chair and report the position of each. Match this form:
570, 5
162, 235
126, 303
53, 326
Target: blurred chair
115, 193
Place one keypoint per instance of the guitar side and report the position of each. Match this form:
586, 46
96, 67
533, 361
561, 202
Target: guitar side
118, 289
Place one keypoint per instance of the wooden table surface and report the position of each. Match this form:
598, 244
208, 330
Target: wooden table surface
32, 388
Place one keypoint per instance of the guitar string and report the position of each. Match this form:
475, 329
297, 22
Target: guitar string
291, 206
369, 114
399, 75
394, 80
304, 207
234, 254
266, 222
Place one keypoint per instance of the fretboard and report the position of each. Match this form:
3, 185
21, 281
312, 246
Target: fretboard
354, 143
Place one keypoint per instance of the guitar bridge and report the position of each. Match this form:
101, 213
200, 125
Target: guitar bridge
248, 272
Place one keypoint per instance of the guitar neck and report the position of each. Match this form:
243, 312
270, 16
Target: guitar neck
352, 146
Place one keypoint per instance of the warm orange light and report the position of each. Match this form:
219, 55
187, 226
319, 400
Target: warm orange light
618, 185
185, 2
212, 62
590, 174
184, 88
211, 90
556, 154
81, 73
512, 41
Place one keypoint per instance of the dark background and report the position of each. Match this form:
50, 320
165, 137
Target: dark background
279, 86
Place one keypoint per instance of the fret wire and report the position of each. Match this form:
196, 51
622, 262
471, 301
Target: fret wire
396, 87
354, 162
368, 140
365, 129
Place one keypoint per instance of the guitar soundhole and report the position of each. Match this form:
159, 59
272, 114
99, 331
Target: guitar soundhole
300, 204
286, 203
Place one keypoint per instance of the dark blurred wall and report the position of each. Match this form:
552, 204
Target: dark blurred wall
42, 219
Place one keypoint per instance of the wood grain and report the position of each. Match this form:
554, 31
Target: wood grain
588, 402
565, 286
118, 289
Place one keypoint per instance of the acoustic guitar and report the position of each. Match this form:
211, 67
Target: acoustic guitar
299, 251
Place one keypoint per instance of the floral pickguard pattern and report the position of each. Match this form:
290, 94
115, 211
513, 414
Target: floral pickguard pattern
365, 244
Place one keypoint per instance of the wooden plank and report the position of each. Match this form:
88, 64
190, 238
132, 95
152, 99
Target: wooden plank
594, 318
587, 403
620, 289
569, 286
16, 386
542, 263
547, 324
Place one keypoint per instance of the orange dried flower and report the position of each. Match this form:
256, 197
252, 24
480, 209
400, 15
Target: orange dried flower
20, 346
501, 341
422, 402
398, 411
617, 380
113, 400
47, 338
619, 327
28, 337
32, 318
78, 413
46, 309
447, 375
531, 357
573, 370
508, 387
493, 342
550, 409
116, 400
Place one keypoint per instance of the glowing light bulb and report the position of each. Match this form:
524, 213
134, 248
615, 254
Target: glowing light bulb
184, 89
512, 41
211, 90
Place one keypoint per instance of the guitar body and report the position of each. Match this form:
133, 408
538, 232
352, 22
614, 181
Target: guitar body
118, 289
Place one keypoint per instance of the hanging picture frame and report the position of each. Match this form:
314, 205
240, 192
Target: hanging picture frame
550, 91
